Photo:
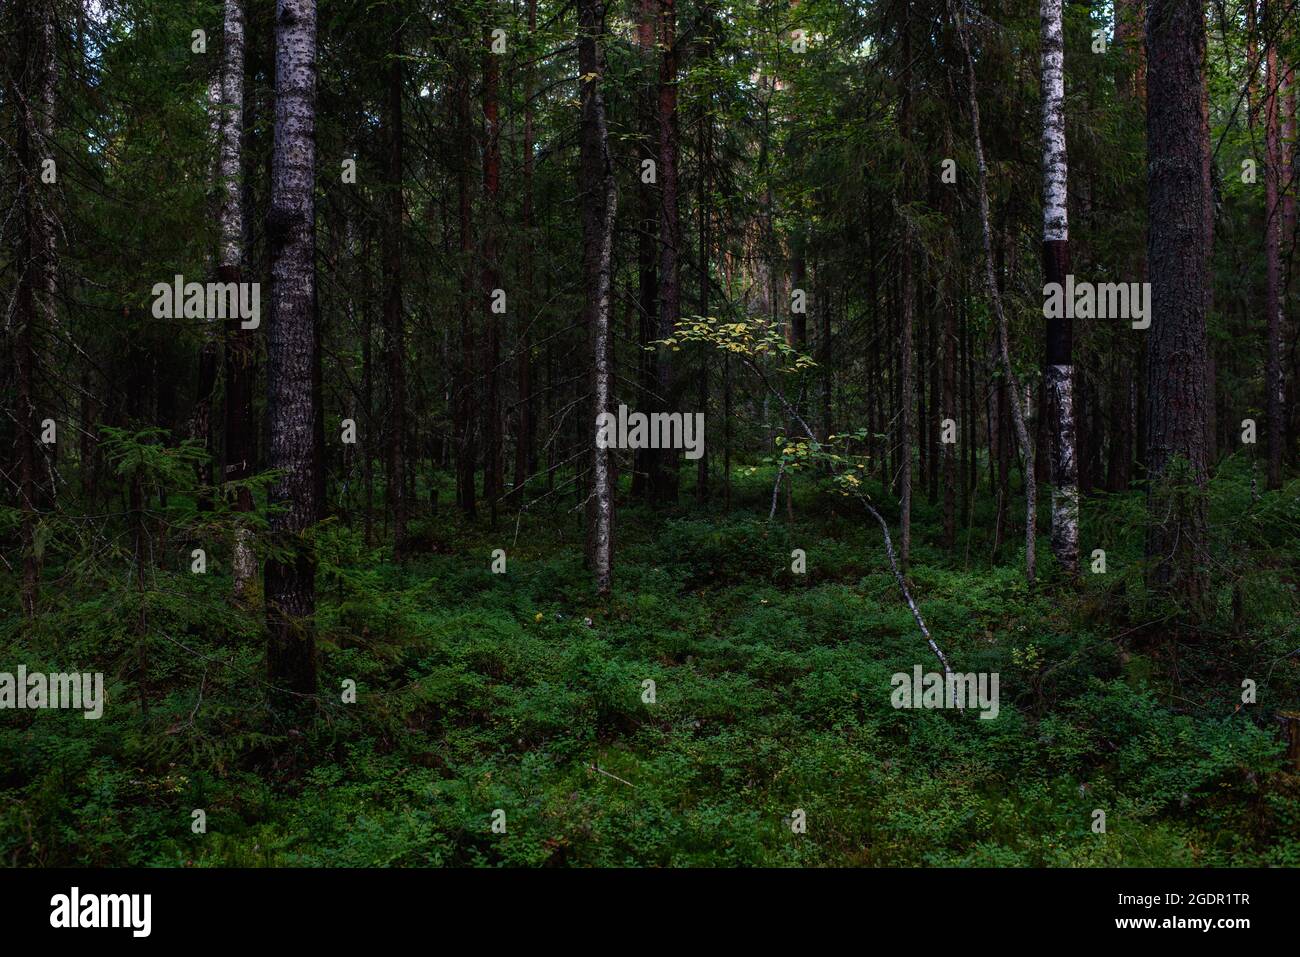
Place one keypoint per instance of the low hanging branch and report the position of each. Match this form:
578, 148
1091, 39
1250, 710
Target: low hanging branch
746, 342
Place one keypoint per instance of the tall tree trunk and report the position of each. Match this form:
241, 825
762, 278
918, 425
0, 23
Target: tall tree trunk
906, 351
47, 80
1289, 242
1207, 182
647, 472
209, 352
24, 362
493, 463
466, 446
670, 232
1127, 445
906, 358
525, 442
1274, 383
702, 212
31, 90
1177, 398
240, 350
1059, 383
293, 399
599, 201
368, 390
394, 322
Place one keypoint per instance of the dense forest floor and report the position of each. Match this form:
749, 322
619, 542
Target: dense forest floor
520, 692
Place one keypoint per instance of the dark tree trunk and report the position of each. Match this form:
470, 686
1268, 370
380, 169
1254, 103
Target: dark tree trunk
1177, 397
647, 473
293, 401
525, 441
906, 348
368, 393
702, 211
1274, 384
466, 446
493, 461
394, 333
31, 91
670, 295
1290, 169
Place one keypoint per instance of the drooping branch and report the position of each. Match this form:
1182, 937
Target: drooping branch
991, 285
884, 526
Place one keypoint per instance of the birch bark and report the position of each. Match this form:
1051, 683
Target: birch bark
599, 202
1064, 469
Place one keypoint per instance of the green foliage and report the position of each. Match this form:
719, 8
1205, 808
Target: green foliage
519, 692
141, 456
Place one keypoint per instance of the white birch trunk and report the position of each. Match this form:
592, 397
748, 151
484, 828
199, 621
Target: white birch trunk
1055, 214
231, 252
232, 131
1059, 382
598, 238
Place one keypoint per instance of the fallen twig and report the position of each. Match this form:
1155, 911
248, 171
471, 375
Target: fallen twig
600, 770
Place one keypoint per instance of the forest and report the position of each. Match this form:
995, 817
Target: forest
649, 433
